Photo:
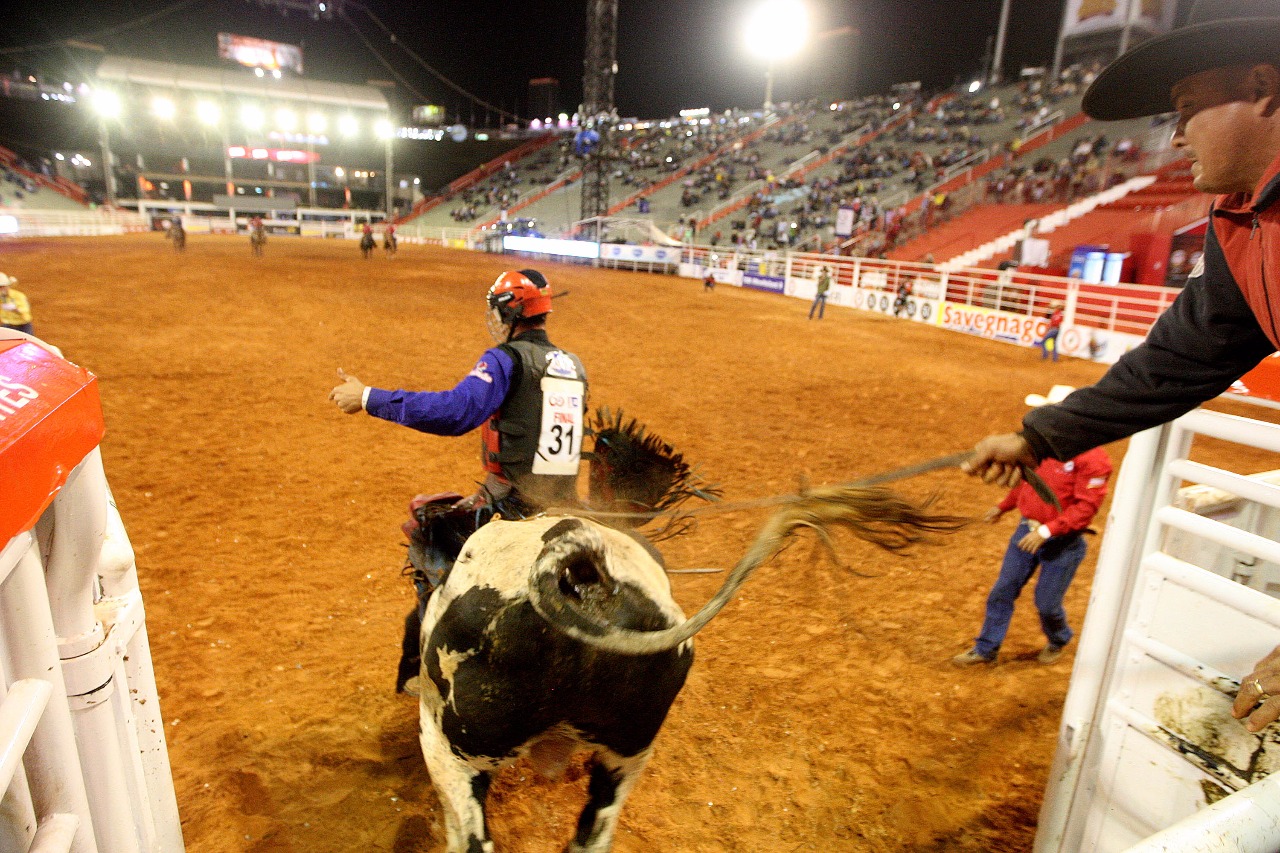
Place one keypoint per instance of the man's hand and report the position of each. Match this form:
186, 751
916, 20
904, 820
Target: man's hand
349, 395
1031, 542
997, 459
1254, 701
993, 515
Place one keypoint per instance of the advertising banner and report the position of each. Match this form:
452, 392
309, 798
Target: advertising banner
1089, 16
771, 283
259, 53
914, 307
992, 324
640, 254
844, 222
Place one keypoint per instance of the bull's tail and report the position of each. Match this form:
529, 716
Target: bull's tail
876, 515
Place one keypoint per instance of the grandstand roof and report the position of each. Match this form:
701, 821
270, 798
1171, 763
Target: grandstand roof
236, 81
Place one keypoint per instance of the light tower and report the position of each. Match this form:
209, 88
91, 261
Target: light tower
600, 68
776, 30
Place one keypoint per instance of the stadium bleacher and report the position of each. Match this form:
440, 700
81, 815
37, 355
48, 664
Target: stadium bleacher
775, 183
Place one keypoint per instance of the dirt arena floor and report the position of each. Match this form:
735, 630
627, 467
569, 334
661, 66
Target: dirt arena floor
822, 712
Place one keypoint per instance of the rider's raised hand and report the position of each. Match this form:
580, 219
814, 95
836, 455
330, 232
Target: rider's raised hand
349, 395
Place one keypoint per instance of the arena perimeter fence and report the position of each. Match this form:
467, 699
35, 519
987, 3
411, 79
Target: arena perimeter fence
23, 222
1101, 321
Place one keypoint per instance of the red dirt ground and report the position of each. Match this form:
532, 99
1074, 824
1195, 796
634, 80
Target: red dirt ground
822, 712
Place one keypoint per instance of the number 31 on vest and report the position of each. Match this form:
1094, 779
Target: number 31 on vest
563, 413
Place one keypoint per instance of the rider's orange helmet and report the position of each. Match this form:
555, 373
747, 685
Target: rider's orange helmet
519, 295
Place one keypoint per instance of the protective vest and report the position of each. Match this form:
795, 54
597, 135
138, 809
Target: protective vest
534, 440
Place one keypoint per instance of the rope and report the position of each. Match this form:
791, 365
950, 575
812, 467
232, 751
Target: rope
950, 461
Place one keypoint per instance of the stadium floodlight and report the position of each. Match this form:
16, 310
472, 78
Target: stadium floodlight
163, 108
317, 123
776, 30
251, 117
286, 118
339, 172
208, 112
348, 126
383, 129
975, 86
258, 72
107, 103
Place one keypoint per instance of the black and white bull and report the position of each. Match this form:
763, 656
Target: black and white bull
499, 682
558, 633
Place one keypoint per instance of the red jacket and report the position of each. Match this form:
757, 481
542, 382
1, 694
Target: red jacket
1247, 227
1080, 484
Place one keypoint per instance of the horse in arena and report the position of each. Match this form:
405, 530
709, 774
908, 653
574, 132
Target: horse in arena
178, 235
257, 237
389, 242
367, 244
559, 634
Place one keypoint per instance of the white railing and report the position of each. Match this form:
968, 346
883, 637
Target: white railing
83, 761
458, 238
23, 222
797, 165
1129, 309
1148, 755
1048, 121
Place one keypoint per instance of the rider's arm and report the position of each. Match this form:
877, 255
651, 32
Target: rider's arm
469, 404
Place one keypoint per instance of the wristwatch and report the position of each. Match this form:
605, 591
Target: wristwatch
1044, 532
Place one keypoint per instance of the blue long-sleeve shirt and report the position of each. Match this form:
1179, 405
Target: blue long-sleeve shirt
469, 404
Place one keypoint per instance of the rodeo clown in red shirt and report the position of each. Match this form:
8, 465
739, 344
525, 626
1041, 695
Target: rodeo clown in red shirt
1047, 539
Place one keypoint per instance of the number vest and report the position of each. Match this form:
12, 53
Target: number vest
534, 440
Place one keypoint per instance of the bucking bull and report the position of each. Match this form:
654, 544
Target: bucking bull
559, 634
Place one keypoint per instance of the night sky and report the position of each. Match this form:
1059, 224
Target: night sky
672, 54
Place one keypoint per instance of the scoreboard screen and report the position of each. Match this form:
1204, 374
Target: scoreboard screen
260, 53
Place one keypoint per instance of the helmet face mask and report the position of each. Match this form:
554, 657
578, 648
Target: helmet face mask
498, 330
513, 297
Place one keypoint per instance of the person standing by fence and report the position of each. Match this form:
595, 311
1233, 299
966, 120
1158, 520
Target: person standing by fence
820, 299
1048, 343
15, 308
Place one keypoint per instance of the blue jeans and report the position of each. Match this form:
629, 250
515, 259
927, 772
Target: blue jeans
819, 302
1043, 343
1057, 560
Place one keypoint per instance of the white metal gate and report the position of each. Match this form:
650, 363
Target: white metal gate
1149, 757
83, 761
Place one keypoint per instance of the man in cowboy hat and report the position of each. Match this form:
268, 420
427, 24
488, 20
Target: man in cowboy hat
15, 308
1046, 539
1221, 74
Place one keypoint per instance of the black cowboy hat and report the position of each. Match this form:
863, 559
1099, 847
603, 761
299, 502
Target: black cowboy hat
1218, 33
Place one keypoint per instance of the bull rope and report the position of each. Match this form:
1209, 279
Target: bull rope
716, 506
873, 514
